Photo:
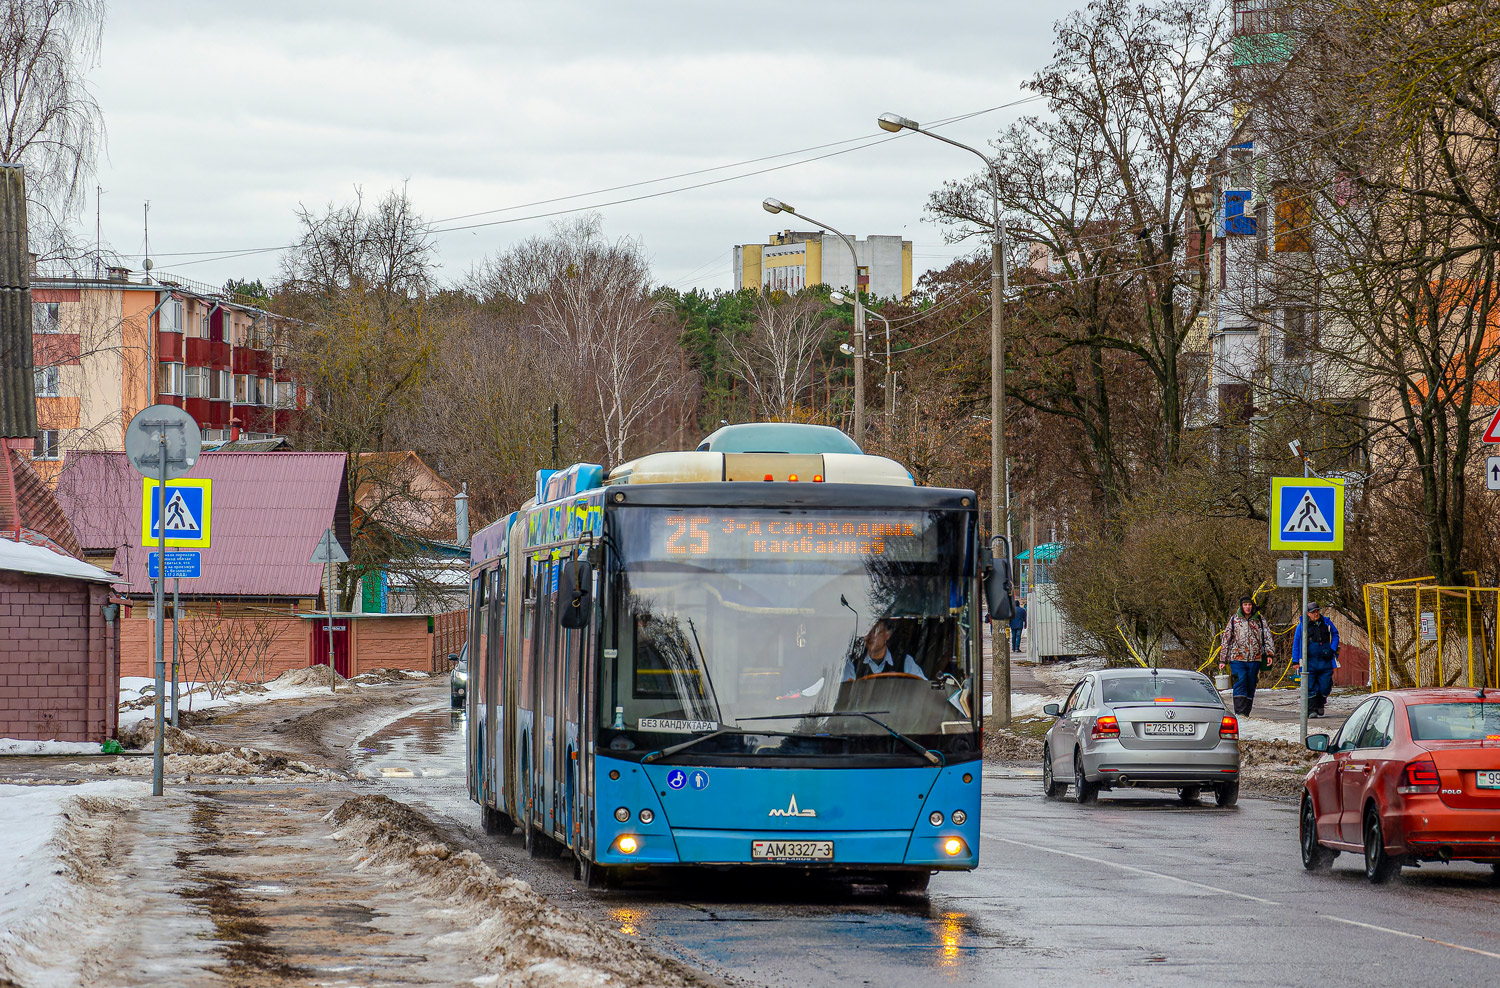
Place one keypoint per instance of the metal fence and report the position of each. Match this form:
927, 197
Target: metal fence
1423, 634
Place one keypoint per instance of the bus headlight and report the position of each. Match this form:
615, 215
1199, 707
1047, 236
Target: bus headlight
627, 844
953, 847
622, 814
935, 818
959, 818
647, 816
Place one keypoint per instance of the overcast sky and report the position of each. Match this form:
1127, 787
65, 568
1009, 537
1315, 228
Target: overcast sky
227, 115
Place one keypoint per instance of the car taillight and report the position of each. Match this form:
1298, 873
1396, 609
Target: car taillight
1107, 726
1420, 777
1229, 728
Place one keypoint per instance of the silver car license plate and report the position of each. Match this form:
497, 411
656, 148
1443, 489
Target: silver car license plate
791, 850
1487, 779
1162, 729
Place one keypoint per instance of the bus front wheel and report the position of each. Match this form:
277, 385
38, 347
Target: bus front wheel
497, 822
908, 882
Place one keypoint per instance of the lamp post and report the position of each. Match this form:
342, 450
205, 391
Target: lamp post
999, 283
776, 206
839, 298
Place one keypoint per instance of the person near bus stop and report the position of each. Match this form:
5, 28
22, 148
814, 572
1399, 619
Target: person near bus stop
1017, 623
1322, 654
1244, 644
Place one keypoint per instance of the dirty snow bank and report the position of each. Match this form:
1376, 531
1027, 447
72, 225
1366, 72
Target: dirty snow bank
188, 754
138, 694
54, 846
529, 941
11, 746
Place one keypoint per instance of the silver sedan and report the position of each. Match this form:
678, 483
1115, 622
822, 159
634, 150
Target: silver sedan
1143, 728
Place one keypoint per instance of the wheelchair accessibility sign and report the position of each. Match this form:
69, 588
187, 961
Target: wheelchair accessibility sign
189, 513
1306, 513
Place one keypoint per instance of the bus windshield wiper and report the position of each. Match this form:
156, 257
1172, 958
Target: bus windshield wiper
657, 756
868, 715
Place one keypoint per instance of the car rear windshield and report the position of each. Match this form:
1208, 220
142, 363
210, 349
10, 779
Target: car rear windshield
1153, 689
1472, 720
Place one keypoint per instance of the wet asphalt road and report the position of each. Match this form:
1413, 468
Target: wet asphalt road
1138, 890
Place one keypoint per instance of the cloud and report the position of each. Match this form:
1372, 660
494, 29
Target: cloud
227, 116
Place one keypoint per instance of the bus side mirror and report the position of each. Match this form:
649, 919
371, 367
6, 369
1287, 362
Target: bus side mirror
574, 596
997, 584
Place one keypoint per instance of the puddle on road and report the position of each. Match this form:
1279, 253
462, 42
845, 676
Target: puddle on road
429, 744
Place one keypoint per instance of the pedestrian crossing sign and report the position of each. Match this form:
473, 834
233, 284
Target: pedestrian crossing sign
1307, 513
189, 513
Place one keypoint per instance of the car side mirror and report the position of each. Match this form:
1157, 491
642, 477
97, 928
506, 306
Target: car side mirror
997, 581
1052, 710
1317, 742
453, 658
575, 593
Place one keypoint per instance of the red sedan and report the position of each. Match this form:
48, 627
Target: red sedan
1413, 775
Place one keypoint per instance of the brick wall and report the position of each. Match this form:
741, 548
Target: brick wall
391, 642
209, 631
58, 672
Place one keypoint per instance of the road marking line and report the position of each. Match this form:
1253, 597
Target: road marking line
1132, 868
1414, 936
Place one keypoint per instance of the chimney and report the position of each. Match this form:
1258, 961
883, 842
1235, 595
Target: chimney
234, 429
118, 273
461, 514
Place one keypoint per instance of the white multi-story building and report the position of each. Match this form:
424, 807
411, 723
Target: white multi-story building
793, 259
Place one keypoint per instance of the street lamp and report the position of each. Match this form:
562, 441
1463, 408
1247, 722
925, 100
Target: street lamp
777, 206
999, 284
839, 298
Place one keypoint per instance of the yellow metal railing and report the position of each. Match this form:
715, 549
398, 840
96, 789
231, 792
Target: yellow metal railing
1425, 634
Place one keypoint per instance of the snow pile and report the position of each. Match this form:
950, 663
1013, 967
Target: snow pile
529, 940
57, 842
11, 746
138, 694
379, 676
308, 676
189, 755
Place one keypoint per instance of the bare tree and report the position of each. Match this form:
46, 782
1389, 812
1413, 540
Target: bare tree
1386, 229
1102, 187
591, 300
49, 120
775, 359
364, 346
230, 649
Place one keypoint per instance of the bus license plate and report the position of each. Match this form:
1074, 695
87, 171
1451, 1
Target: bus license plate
1487, 780
1166, 730
791, 850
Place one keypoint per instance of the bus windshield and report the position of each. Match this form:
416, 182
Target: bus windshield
760, 622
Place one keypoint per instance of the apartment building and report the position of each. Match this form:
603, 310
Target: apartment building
104, 348
794, 259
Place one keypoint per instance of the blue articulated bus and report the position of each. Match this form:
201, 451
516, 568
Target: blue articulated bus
719, 658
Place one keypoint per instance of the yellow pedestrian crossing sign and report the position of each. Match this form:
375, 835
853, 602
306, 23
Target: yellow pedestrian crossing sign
189, 513
1306, 513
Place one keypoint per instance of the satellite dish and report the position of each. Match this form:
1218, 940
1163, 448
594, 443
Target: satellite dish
148, 264
143, 441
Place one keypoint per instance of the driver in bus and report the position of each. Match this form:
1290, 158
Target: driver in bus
878, 658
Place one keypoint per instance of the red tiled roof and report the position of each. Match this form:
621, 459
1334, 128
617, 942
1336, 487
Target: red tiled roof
269, 510
32, 504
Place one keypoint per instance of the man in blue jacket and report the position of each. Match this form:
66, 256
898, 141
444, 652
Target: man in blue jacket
1322, 650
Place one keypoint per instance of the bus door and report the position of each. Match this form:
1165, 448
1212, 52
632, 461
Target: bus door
494, 672
567, 729
478, 751
525, 702
549, 722
580, 766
